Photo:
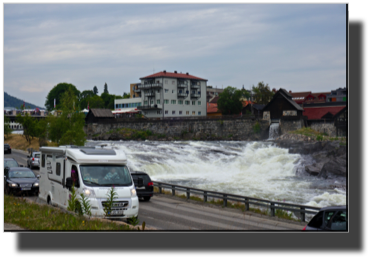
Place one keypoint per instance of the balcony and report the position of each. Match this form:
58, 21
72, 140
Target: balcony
195, 85
148, 107
182, 94
149, 86
150, 93
195, 95
182, 85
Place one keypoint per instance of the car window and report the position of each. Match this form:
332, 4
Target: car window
36, 155
339, 221
10, 164
317, 220
145, 178
328, 216
21, 174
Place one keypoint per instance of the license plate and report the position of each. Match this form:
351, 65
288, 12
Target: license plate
26, 188
116, 212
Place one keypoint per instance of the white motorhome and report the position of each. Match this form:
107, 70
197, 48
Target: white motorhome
93, 172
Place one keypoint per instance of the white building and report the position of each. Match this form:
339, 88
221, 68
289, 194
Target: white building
167, 95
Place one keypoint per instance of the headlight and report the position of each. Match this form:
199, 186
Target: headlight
13, 185
133, 192
35, 184
89, 192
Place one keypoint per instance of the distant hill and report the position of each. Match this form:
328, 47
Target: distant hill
10, 101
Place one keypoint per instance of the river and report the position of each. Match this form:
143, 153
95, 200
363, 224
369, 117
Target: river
255, 169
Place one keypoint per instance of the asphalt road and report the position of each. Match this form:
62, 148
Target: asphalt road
164, 212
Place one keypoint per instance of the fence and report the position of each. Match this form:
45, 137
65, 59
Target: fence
273, 205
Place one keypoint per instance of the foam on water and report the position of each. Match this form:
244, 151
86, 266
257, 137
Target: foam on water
256, 169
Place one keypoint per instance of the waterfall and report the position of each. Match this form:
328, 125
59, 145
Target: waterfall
274, 131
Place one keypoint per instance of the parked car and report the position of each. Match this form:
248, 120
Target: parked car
19, 180
10, 162
144, 190
33, 160
7, 149
329, 218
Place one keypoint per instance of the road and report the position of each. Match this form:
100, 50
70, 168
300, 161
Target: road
165, 212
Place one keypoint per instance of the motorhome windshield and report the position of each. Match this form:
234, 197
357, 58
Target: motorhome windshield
106, 175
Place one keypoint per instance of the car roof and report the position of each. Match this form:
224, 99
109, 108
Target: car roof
139, 172
333, 208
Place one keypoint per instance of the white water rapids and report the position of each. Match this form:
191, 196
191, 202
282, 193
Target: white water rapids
255, 169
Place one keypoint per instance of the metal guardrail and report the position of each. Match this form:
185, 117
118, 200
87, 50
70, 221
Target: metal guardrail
273, 205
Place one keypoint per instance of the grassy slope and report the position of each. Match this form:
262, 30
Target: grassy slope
18, 141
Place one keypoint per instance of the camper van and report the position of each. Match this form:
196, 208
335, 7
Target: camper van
93, 172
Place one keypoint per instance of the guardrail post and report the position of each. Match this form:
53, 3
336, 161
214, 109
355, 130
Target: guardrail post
246, 204
272, 210
224, 200
205, 196
188, 193
303, 214
173, 190
160, 188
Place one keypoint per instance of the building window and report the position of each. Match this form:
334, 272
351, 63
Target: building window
187, 102
158, 101
173, 112
166, 81
187, 112
145, 103
166, 112
151, 102
172, 90
193, 103
180, 102
199, 103
158, 111
173, 102
166, 101
193, 113
166, 90
199, 113
58, 169
180, 112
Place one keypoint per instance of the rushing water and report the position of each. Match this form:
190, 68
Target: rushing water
255, 169
274, 130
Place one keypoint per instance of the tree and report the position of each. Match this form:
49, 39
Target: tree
7, 129
126, 95
96, 102
84, 98
262, 93
57, 92
109, 100
106, 88
67, 129
95, 89
28, 124
229, 101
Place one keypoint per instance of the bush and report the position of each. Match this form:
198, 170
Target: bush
256, 127
319, 138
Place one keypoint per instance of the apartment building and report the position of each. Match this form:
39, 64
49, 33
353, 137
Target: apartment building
168, 95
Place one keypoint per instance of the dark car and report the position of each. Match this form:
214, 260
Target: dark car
145, 190
7, 149
20, 180
329, 218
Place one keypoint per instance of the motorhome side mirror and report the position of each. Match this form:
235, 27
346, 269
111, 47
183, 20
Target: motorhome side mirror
38, 176
69, 182
140, 182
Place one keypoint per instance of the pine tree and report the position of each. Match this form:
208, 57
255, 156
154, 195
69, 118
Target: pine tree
106, 88
95, 89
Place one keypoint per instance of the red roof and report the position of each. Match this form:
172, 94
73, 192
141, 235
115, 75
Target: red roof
172, 75
318, 112
212, 108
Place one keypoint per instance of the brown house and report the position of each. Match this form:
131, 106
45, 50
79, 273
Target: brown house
281, 106
96, 115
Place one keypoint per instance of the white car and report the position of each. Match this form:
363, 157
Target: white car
33, 160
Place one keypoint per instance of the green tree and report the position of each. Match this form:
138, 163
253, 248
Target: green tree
96, 102
29, 126
106, 88
262, 93
109, 100
84, 98
57, 92
67, 129
126, 95
7, 129
229, 101
95, 90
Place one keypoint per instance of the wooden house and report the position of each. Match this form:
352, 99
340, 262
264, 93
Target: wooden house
281, 106
96, 115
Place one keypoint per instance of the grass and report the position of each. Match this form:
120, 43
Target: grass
237, 205
18, 141
32, 216
307, 131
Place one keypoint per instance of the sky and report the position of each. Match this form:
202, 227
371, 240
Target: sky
298, 47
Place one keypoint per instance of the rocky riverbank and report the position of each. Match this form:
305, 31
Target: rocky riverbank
329, 158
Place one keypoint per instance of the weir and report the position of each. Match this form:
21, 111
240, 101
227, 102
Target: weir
274, 131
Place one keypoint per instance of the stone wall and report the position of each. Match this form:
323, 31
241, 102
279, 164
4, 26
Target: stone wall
231, 129
290, 125
324, 127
